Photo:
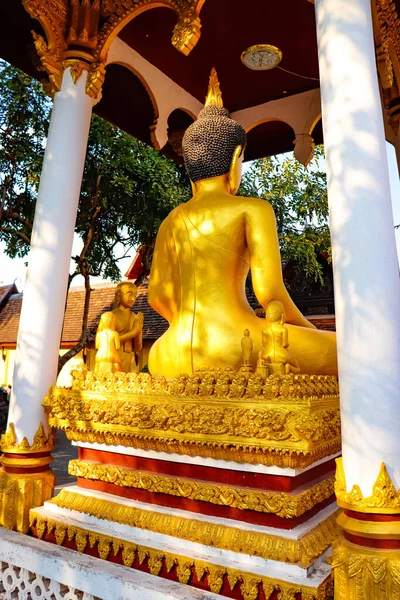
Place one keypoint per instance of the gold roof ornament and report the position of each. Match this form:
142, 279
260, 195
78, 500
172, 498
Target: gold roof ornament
214, 94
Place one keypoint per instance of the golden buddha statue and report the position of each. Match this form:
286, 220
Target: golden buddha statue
203, 253
107, 343
274, 356
128, 325
247, 350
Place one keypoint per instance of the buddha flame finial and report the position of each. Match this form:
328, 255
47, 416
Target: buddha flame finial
214, 95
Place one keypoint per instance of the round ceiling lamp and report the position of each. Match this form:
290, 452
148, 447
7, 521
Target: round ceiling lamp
261, 57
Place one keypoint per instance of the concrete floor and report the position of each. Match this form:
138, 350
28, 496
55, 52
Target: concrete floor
63, 453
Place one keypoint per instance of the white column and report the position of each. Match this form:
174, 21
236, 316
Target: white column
366, 271
49, 257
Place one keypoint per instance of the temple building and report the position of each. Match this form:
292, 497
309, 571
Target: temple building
213, 475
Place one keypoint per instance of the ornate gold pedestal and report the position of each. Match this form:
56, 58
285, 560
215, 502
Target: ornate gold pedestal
260, 530
26, 481
286, 421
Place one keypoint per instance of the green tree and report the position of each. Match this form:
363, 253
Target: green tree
298, 196
127, 188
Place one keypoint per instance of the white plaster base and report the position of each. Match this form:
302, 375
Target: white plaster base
30, 568
204, 461
313, 575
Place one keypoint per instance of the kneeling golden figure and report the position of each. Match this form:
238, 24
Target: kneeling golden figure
203, 253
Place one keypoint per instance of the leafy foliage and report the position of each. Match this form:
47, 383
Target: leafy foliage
24, 114
127, 190
298, 196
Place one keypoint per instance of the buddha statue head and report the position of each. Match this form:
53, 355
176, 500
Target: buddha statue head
214, 144
275, 312
125, 294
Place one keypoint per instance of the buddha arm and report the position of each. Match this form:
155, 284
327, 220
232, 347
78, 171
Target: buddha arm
164, 277
265, 261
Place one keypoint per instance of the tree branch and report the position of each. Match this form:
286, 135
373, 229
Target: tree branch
20, 234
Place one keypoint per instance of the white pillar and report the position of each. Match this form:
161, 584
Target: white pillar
49, 257
366, 272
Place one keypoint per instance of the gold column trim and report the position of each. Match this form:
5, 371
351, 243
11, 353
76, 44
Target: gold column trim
281, 504
378, 530
25, 463
21, 492
384, 499
270, 547
41, 441
287, 421
185, 567
362, 573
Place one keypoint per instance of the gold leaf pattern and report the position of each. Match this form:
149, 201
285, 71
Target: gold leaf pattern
384, 498
284, 505
19, 493
365, 573
41, 441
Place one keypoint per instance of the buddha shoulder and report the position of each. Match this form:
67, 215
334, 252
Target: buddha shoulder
256, 207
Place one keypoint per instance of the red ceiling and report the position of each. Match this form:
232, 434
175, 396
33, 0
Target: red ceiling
228, 28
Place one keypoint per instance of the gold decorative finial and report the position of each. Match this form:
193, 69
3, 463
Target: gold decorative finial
214, 95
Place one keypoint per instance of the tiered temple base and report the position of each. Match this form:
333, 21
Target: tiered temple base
234, 492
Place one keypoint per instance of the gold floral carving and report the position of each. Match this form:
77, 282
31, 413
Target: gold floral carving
384, 499
303, 551
21, 492
283, 505
288, 420
186, 568
41, 441
364, 573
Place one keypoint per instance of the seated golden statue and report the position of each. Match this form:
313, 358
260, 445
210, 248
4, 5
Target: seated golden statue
203, 253
107, 343
274, 356
129, 325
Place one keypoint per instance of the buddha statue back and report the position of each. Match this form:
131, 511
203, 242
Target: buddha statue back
203, 253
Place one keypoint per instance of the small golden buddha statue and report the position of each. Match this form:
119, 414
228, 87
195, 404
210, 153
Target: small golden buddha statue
274, 356
247, 350
129, 325
107, 344
203, 253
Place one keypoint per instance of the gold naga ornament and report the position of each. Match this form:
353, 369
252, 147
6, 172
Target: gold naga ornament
203, 253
